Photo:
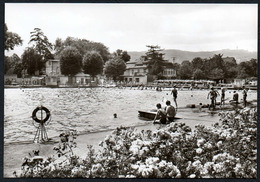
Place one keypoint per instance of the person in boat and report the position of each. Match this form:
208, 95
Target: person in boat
161, 114
213, 97
222, 101
170, 111
174, 93
244, 92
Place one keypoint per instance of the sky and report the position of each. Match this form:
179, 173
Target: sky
130, 27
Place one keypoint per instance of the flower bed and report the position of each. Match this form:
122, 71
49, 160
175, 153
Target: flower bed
226, 150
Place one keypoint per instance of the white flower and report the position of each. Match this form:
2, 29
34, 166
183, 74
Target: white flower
192, 176
200, 142
218, 167
219, 144
196, 163
152, 160
162, 164
209, 146
199, 150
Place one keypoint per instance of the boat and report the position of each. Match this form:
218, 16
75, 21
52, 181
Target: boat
150, 114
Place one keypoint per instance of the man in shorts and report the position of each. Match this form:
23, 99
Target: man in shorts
174, 94
213, 97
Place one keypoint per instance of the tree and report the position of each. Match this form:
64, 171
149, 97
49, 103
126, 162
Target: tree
71, 61
216, 74
41, 44
11, 39
114, 68
185, 71
247, 69
32, 61
230, 68
254, 67
198, 74
93, 63
122, 54
83, 47
8, 64
155, 60
197, 63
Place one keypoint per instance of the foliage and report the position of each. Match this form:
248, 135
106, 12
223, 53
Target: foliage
32, 61
198, 74
185, 71
11, 62
83, 46
71, 61
226, 150
217, 68
197, 63
248, 69
155, 60
11, 39
41, 44
216, 74
122, 55
93, 63
114, 68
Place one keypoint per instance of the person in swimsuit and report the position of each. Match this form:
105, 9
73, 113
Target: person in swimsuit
222, 101
174, 94
170, 111
213, 97
161, 114
244, 92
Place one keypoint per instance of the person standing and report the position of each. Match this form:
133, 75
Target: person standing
161, 114
213, 97
235, 98
244, 92
222, 101
170, 111
174, 93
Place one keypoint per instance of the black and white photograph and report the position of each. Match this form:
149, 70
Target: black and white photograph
130, 90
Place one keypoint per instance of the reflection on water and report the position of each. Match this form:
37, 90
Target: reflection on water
86, 109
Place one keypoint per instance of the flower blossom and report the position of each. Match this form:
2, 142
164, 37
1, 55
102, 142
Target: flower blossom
199, 150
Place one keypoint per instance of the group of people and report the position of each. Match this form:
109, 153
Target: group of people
213, 94
167, 115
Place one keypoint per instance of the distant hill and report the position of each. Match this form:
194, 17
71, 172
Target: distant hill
239, 55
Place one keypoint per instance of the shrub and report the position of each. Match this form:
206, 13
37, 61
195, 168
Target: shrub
225, 150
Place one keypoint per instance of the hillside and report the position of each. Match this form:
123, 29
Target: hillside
240, 55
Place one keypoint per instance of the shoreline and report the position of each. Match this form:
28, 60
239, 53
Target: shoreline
123, 87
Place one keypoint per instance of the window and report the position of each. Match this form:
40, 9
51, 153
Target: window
130, 79
137, 79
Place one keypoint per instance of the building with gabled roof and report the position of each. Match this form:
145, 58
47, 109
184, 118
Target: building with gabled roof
137, 72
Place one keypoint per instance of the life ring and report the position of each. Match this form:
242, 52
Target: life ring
48, 114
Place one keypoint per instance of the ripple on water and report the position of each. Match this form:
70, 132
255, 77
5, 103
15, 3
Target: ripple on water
85, 109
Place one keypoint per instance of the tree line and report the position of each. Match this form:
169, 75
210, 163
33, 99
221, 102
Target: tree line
93, 58
216, 68
75, 55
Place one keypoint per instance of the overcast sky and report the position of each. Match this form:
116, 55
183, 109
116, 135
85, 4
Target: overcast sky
130, 27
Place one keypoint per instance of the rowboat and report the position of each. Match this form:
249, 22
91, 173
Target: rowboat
150, 114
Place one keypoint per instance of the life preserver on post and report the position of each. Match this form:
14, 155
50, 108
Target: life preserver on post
48, 114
